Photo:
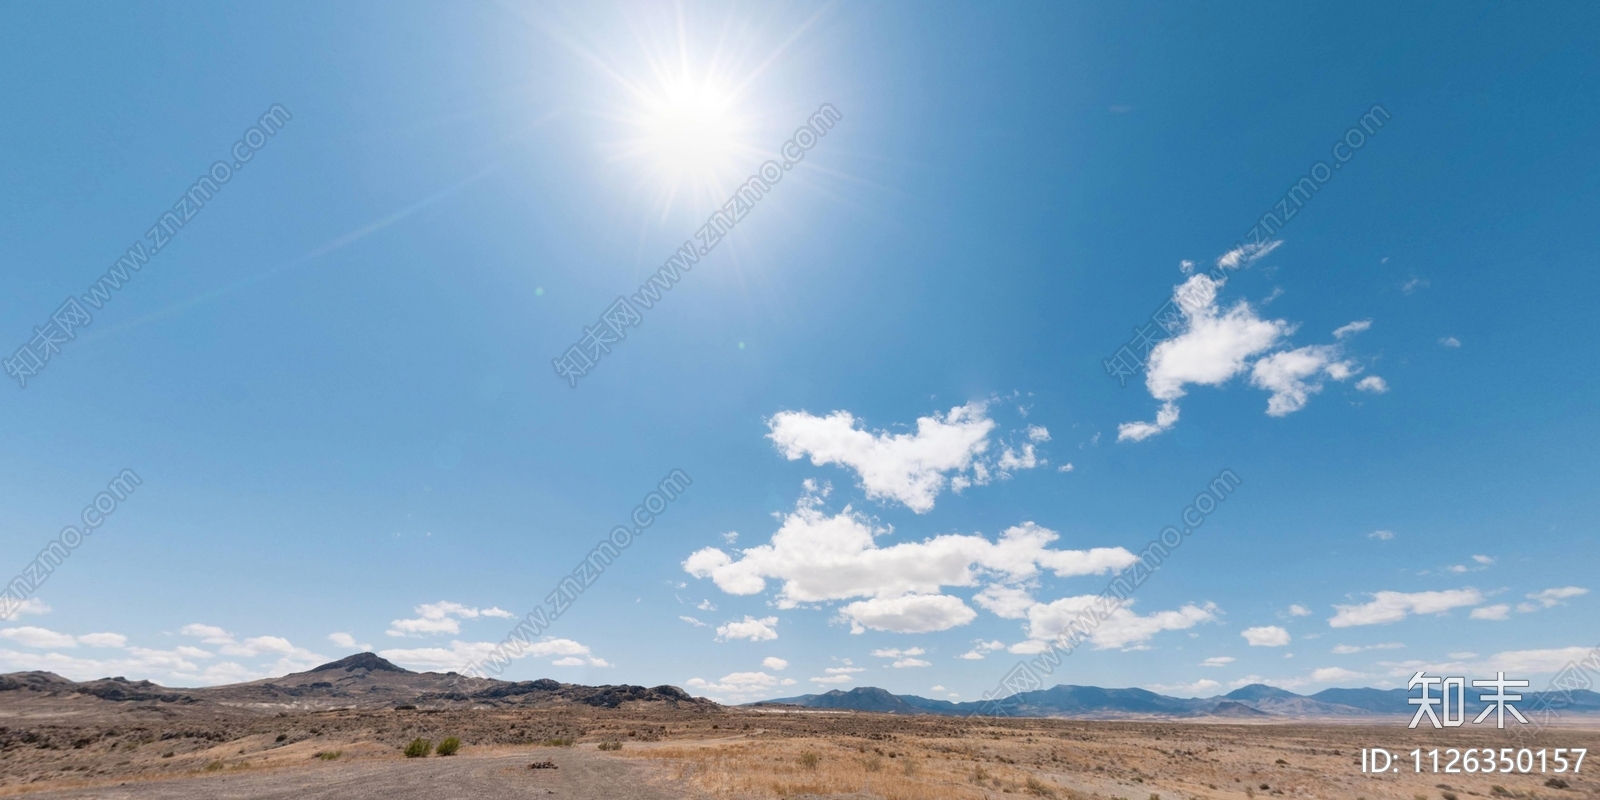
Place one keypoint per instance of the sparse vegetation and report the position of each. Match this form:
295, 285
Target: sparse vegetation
328, 755
611, 745
449, 746
559, 742
1040, 788
215, 766
809, 760
418, 748
1556, 783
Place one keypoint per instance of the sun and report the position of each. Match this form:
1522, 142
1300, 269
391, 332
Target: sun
688, 129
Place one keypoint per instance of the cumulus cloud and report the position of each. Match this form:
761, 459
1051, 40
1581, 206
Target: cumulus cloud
946, 451
912, 613
31, 605
1266, 636
1007, 602
347, 642
749, 629
1373, 384
208, 634
1292, 376
739, 685
1550, 598
1497, 611
980, 647
1216, 344
1298, 610
1218, 661
774, 663
820, 558
1122, 628
38, 637
895, 652
441, 617
1387, 607
459, 654
104, 640
1450, 341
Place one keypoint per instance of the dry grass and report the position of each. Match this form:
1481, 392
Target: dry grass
801, 766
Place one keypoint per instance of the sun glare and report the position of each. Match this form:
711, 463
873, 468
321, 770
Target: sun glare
689, 130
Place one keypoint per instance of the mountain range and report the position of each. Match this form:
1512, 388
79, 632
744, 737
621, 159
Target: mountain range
1092, 702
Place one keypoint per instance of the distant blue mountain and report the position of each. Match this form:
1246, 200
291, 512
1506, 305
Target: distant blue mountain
1256, 700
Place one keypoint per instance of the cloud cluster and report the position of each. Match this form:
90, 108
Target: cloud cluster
442, 617
456, 657
1216, 344
818, 557
1386, 607
946, 451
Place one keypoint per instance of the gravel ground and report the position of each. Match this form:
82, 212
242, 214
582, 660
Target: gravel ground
581, 775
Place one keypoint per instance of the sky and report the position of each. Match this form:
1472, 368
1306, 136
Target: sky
374, 231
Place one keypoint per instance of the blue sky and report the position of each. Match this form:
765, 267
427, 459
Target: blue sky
335, 380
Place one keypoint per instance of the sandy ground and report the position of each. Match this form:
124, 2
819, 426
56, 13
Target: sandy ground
580, 775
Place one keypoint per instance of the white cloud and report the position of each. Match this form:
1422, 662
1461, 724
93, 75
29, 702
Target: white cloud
706, 605
1065, 467
980, 647
910, 662
693, 621
1298, 610
31, 605
348, 642
1348, 649
1007, 602
104, 640
912, 613
820, 558
1495, 612
1412, 285
1382, 536
750, 629
908, 468
833, 679
1387, 607
1294, 375
1122, 628
895, 652
209, 634
1333, 674
1553, 597
1218, 661
937, 688
494, 611
38, 637
1266, 636
1200, 688
1215, 345
1038, 433
460, 654
440, 617
1484, 560
1373, 384
1353, 328
1450, 341
774, 663
1246, 253
739, 684
1523, 662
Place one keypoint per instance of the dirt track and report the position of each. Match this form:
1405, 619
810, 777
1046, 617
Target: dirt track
581, 775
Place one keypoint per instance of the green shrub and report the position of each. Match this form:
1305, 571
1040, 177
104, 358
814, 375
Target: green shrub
809, 760
611, 745
328, 755
215, 766
449, 746
418, 748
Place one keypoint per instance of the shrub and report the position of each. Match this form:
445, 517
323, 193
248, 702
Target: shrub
611, 745
418, 748
448, 747
328, 755
215, 766
1040, 788
1556, 783
1445, 795
809, 760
